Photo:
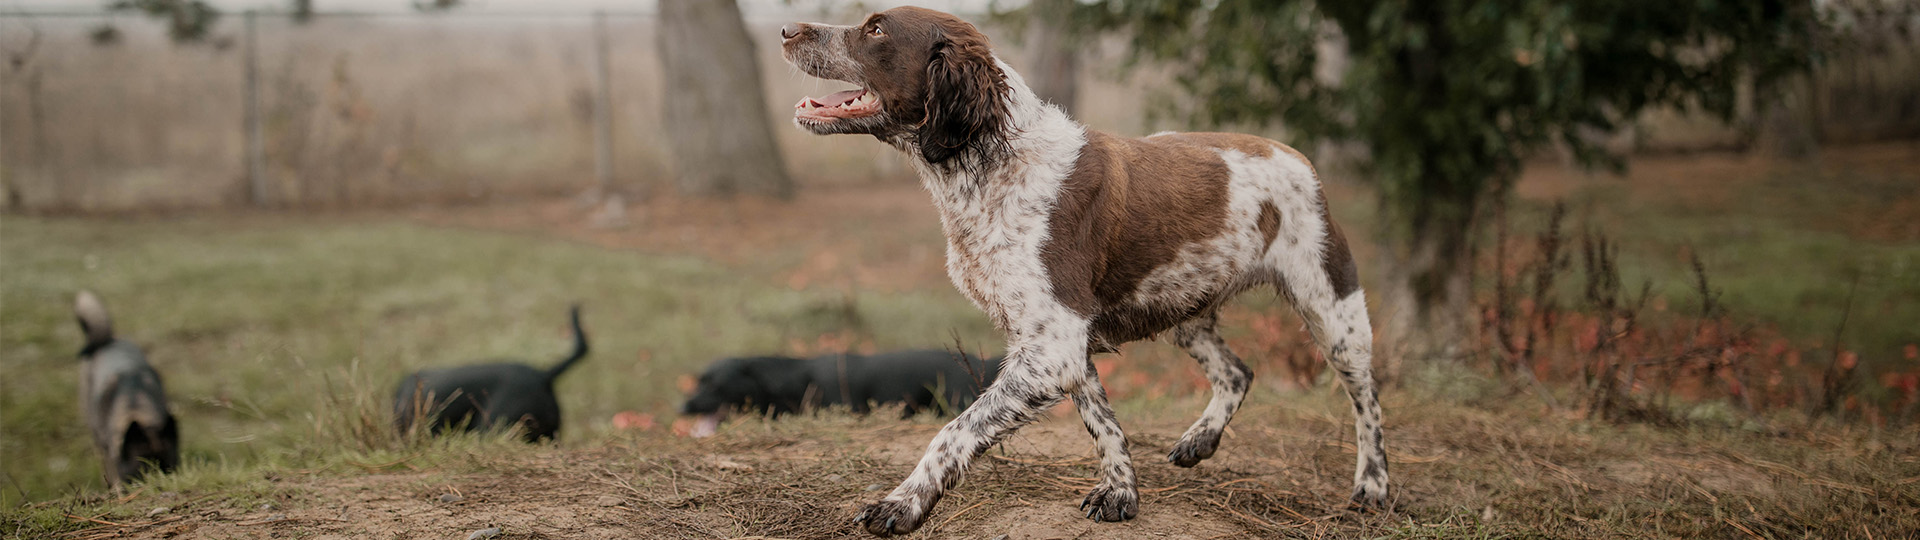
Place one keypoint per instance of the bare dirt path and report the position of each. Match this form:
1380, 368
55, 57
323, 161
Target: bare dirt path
1283, 472
800, 479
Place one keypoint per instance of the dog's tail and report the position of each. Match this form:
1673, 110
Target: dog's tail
579, 347
94, 321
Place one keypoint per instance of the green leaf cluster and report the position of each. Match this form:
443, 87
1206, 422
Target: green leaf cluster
1449, 96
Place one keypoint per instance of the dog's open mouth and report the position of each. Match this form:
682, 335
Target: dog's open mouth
857, 103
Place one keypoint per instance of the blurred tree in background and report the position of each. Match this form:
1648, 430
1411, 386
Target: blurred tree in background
435, 5
1056, 55
1448, 96
302, 11
187, 20
714, 102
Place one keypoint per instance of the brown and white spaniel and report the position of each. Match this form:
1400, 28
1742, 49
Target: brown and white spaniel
1075, 241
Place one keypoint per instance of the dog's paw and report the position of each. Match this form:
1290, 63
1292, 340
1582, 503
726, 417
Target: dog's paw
1368, 496
890, 517
1194, 447
1108, 503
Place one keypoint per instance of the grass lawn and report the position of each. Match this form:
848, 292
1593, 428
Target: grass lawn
1786, 242
267, 328
279, 336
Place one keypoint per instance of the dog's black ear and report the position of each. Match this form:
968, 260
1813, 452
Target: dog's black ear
966, 100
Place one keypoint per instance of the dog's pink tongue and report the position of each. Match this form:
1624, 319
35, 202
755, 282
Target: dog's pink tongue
706, 425
834, 99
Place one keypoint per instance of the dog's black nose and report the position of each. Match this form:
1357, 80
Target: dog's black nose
789, 30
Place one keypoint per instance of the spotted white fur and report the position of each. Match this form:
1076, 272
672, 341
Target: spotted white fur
996, 215
994, 236
993, 256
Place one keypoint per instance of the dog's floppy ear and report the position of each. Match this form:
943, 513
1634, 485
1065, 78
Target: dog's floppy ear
966, 100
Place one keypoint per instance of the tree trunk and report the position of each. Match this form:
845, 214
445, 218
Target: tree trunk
1056, 63
1429, 297
302, 11
1789, 126
715, 109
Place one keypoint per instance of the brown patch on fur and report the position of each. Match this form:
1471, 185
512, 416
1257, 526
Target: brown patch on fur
1128, 208
1247, 144
965, 92
1269, 222
1338, 259
1338, 262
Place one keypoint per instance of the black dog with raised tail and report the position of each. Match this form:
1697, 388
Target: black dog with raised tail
487, 396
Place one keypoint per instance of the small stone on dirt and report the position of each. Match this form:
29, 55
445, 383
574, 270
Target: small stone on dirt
835, 478
609, 501
484, 534
158, 510
451, 498
874, 487
266, 506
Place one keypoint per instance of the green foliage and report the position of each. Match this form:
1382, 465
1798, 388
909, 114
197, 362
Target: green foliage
1450, 95
187, 20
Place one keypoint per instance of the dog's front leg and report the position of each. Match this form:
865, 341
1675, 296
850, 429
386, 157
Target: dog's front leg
1044, 363
1116, 498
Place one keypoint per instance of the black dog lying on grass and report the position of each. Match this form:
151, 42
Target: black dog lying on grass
487, 396
125, 404
777, 385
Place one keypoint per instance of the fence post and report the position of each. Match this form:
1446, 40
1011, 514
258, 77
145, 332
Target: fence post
602, 107
256, 166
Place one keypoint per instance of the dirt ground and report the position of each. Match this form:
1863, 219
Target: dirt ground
1283, 472
762, 482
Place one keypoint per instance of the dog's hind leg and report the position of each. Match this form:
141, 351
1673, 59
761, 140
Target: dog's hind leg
1229, 378
1045, 361
1116, 498
1340, 327
1315, 271
1342, 331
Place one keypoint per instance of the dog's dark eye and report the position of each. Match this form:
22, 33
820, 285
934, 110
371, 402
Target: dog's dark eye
875, 31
